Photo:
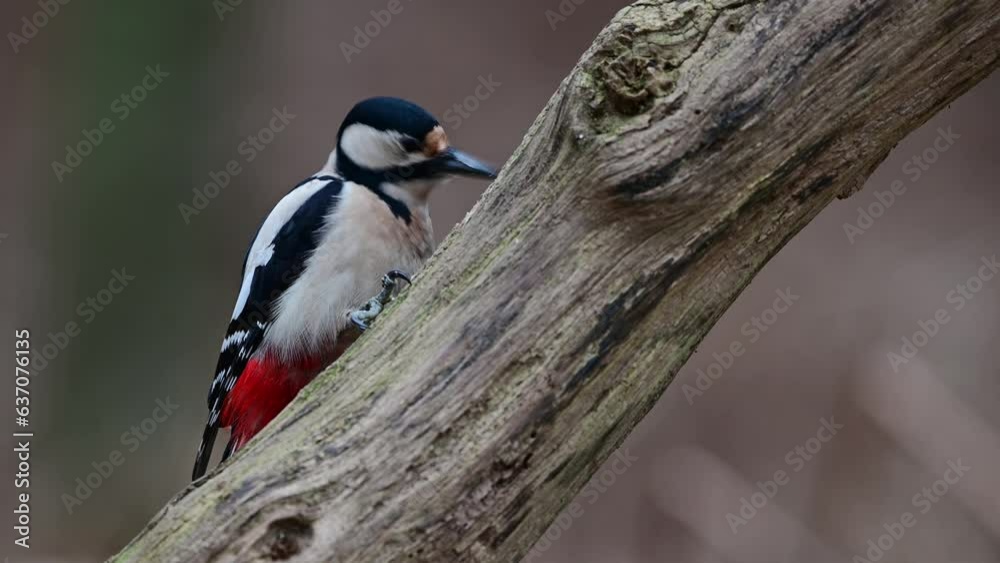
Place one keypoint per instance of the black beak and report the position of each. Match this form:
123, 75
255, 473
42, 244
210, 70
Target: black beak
454, 161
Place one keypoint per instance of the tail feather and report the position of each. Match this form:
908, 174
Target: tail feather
243, 430
231, 447
204, 451
262, 390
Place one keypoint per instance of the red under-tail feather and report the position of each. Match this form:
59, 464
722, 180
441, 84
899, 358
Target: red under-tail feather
266, 386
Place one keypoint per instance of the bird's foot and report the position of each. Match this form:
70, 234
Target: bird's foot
365, 316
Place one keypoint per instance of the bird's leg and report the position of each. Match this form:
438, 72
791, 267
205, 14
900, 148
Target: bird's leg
363, 317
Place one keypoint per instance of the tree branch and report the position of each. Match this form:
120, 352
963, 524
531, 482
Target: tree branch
691, 142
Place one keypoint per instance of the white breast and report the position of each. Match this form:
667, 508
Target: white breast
362, 240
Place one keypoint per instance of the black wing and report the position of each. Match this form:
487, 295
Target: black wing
293, 244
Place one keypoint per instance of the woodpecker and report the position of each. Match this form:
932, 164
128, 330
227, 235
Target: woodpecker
312, 269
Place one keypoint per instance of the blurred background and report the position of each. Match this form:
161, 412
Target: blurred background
200, 78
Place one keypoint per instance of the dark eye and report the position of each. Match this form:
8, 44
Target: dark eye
411, 145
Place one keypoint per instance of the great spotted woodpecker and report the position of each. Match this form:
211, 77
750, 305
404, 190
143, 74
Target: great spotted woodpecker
318, 258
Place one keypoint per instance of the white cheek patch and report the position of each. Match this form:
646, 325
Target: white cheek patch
370, 147
376, 150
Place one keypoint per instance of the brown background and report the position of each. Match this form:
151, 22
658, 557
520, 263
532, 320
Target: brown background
824, 357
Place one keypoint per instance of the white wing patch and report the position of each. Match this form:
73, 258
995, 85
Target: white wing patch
260, 258
263, 248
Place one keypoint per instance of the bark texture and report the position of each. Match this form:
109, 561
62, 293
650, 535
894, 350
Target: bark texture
690, 143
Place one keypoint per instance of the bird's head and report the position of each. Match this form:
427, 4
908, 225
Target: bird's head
389, 143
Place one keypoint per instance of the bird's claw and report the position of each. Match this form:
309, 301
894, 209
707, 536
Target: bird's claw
396, 275
362, 318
